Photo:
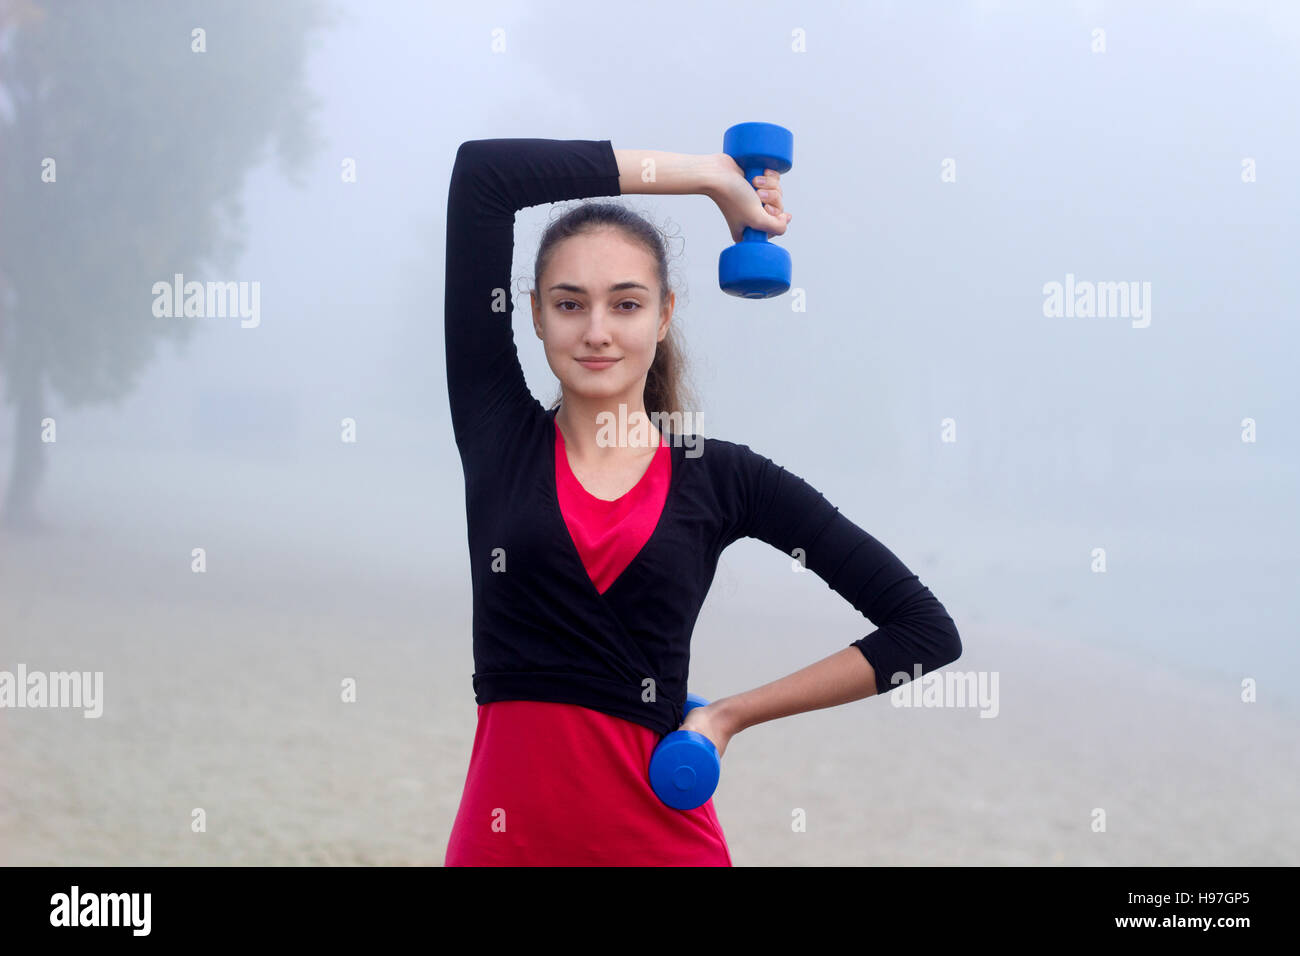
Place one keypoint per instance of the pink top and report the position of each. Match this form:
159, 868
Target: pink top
608, 534
553, 784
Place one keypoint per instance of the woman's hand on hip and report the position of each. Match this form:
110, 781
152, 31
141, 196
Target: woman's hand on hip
709, 721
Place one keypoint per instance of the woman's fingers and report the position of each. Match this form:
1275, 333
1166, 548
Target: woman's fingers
770, 181
769, 191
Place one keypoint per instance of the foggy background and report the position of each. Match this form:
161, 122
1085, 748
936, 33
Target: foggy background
924, 302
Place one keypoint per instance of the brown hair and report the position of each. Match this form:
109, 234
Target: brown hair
666, 388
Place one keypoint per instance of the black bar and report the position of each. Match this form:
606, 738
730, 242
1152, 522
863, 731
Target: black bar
331, 905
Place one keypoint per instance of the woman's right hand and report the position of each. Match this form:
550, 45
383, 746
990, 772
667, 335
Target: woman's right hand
744, 205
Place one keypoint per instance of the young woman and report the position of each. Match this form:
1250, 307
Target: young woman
591, 553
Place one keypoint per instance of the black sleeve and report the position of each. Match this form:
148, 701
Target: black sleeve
490, 180
913, 628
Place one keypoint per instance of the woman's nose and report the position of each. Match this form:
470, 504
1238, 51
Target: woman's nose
598, 327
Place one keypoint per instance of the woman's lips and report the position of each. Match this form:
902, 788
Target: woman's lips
596, 364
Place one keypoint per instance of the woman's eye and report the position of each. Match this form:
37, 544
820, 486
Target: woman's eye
632, 302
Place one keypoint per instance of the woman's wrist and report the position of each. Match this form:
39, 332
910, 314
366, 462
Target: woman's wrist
730, 714
664, 173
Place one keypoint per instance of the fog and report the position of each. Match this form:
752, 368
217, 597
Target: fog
951, 161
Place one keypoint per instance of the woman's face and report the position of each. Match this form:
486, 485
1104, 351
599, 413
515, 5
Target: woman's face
599, 299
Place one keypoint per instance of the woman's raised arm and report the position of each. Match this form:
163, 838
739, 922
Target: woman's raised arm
716, 175
490, 180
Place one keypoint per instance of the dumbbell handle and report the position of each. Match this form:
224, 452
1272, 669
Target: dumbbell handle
750, 234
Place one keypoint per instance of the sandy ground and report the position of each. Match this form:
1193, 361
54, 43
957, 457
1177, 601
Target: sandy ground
222, 692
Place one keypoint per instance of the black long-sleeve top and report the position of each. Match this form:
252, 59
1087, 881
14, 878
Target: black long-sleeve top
541, 629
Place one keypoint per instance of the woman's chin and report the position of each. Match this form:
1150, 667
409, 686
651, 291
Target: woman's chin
594, 391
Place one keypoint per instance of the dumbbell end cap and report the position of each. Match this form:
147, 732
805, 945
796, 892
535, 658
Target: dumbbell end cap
754, 270
760, 144
684, 769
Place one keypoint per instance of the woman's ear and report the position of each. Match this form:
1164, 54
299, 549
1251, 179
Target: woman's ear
537, 314
666, 315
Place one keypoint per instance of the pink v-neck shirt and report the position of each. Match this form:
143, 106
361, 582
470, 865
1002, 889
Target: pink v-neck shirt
608, 534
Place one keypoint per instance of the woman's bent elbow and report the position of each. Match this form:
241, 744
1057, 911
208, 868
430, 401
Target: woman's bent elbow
952, 643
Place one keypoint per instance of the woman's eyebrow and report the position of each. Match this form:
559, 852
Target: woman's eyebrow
616, 287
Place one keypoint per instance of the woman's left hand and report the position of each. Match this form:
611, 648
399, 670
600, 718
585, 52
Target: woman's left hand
709, 721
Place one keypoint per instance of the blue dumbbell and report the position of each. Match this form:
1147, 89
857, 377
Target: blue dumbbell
755, 268
684, 768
